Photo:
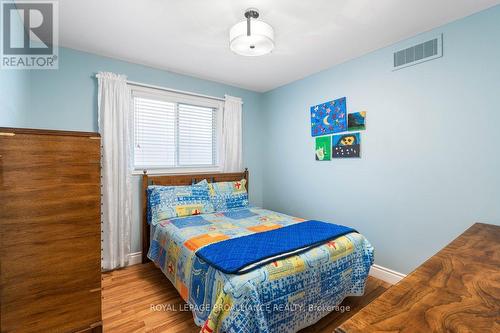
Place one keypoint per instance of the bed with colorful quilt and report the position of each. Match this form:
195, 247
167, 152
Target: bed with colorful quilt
247, 269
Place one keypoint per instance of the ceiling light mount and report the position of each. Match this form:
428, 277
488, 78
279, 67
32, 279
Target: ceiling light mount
251, 37
251, 13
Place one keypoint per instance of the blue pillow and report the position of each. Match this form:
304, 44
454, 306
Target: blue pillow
165, 202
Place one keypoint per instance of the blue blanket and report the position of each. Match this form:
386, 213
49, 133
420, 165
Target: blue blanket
232, 255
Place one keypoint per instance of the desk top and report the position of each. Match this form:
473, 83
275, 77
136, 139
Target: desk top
456, 290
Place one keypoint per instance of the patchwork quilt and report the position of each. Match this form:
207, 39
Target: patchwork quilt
285, 295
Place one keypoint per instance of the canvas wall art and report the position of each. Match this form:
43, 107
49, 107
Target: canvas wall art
329, 117
323, 148
356, 121
346, 145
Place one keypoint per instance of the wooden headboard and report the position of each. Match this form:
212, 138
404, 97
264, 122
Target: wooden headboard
177, 180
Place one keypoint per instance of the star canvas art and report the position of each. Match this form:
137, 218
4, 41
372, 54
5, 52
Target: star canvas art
346, 145
329, 117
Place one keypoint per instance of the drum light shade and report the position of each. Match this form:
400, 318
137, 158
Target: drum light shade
251, 38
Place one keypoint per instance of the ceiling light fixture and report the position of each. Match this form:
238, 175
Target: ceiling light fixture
251, 37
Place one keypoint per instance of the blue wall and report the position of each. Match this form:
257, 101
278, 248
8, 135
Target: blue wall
66, 99
14, 97
14, 90
430, 163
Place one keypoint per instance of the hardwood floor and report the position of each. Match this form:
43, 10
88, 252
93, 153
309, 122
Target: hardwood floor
130, 293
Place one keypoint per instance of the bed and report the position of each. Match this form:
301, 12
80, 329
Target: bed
282, 294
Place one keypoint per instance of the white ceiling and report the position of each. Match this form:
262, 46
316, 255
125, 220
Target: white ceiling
191, 36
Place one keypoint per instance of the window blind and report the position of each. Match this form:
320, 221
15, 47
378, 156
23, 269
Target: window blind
196, 135
154, 133
173, 134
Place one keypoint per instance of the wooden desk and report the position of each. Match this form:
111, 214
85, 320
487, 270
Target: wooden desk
456, 290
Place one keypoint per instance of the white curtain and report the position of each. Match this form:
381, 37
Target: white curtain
114, 100
232, 154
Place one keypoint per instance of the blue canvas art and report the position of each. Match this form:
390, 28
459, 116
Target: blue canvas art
329, 117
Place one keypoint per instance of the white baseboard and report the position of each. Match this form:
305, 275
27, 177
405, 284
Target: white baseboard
386, 274
134, 258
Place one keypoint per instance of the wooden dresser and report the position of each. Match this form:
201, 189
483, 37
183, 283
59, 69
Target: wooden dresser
50, 248
456, 290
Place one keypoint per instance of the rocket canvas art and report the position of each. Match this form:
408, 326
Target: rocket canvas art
329, 117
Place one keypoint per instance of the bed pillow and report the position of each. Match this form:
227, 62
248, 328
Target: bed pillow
176, 201
228, 195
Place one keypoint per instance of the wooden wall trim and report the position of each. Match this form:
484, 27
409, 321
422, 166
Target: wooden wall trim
36, 131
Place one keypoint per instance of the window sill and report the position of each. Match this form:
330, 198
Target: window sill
173, 171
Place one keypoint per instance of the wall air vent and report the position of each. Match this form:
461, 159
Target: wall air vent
416, 54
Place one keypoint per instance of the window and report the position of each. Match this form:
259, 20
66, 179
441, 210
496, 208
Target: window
175, 131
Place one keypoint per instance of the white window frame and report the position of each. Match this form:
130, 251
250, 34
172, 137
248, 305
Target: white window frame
178, 97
